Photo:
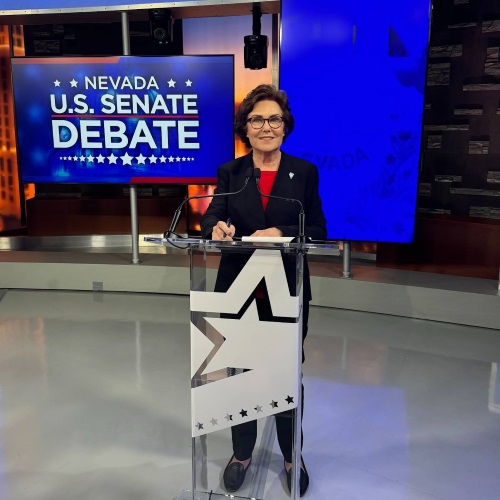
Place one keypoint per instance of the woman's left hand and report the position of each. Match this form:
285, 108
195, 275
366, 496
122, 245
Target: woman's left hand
270, 231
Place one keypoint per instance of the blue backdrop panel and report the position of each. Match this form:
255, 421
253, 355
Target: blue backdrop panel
124, 119
355, 74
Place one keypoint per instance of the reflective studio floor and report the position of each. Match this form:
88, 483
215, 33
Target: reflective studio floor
94, 403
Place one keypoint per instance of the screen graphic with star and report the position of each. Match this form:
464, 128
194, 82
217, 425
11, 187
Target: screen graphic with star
124, 119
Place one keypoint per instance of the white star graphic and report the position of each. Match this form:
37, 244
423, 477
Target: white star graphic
171, 83
82, 158
171, 159
127, 159
241, 336
162, 159
100, 159
183, 158
57, 83
152, 159
141, 160
90, 159
75, 158
189, 83
177, 159
73, 83
112, 158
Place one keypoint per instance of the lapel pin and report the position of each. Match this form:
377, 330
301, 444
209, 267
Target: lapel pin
291, 174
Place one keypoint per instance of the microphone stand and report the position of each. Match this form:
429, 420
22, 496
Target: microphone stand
177, 214
175, 220
301, 238
302, 225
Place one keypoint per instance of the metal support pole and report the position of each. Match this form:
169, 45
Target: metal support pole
133, 189
297, 427
193, 468
275, 49
346, 267
125, 34
297, 448
135, 225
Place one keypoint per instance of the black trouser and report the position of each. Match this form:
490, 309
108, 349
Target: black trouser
245, 435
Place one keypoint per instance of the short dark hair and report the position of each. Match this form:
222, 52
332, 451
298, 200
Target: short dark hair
264, 92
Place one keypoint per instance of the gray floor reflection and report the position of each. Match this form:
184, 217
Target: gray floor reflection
94, 403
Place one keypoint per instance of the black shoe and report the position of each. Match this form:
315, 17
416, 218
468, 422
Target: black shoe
234, 475
303, 481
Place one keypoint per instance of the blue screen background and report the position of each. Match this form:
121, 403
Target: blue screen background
355, 75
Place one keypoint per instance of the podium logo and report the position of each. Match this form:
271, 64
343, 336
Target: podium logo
265, 355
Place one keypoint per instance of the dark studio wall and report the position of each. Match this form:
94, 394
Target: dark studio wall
97, 39
458, 221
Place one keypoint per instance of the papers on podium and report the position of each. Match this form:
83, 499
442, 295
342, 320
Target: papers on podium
267, 239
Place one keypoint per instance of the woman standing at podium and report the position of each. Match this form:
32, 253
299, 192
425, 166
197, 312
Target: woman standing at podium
262, 123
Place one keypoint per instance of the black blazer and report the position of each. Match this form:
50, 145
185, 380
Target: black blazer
296, 178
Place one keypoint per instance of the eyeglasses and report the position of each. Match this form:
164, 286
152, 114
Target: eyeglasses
257, 122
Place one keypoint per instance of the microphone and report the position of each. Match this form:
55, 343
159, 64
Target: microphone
301, 238
177, 213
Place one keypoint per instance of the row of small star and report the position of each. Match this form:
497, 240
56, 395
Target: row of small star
243, 413
171, 83
126, 159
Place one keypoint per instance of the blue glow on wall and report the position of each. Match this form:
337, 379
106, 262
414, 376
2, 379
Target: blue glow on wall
355, 74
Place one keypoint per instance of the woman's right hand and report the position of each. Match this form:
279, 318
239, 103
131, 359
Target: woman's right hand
221, 231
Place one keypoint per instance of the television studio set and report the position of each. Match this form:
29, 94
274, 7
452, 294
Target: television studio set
179, 179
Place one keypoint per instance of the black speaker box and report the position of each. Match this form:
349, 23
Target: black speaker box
255, 52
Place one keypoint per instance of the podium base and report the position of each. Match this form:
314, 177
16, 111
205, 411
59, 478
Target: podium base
210, 495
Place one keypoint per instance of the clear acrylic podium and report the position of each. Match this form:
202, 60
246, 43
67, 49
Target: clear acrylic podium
246, 359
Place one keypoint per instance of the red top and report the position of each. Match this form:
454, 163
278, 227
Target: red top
266, 184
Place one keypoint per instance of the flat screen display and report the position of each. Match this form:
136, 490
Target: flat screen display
124, 120
355, 74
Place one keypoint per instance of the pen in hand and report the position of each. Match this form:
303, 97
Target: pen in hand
228, 224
